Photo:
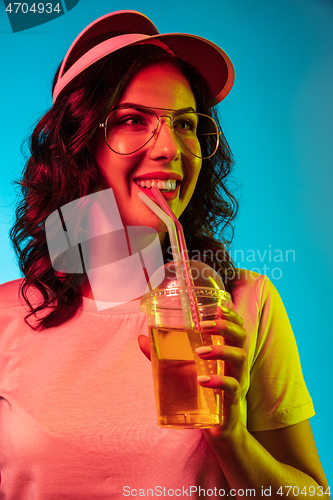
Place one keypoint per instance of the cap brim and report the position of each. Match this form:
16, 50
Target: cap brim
209, 59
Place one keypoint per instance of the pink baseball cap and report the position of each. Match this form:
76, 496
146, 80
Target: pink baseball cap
128, 27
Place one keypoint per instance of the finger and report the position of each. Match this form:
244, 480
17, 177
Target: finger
231, 354
144, 345
230, 315
234, 356
229, 385
232, 333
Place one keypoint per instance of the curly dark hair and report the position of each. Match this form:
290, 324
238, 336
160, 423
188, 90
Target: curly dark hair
61, 169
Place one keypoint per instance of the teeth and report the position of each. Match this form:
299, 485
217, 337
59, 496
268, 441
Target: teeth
168, 185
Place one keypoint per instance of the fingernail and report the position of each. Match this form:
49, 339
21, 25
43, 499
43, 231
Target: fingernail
226, 310
203, 378
207, 324
203, 350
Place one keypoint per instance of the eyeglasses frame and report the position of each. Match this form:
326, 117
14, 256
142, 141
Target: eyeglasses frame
180, 112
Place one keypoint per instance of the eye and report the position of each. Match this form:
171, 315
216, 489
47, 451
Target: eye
130, 120
133, 121
185, 124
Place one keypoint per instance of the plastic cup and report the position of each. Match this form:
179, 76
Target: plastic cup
181, 402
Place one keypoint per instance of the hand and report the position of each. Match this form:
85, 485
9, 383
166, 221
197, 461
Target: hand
230, 326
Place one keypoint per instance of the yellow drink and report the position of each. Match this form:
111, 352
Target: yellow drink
181, 402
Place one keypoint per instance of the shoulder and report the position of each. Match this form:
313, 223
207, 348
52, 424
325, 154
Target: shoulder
12, 311
249, 286
256, 299
10, 294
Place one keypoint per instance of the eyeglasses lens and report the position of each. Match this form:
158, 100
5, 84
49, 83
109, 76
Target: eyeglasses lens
127, 130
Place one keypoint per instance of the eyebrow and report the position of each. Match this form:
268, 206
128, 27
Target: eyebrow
141, 106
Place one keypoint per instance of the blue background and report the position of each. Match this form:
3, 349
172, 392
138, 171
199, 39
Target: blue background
278, 120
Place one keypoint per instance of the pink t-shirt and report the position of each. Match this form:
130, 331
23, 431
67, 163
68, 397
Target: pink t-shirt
77, 407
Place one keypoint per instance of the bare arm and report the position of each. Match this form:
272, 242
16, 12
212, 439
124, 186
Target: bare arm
284, 462
274, 459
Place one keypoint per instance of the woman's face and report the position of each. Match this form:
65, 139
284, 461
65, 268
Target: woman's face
164, 157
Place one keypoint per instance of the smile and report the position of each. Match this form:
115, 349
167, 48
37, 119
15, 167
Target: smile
164, 186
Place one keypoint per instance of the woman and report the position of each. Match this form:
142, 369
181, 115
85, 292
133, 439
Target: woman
77, 411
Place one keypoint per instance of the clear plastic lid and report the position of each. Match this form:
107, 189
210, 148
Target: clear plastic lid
208, 287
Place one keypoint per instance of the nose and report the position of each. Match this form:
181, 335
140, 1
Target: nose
164, 144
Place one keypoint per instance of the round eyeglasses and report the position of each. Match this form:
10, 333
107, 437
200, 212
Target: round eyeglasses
129, 129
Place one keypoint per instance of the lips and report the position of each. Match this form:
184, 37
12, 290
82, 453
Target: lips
168, 185
167, 182
160, 175
168, 195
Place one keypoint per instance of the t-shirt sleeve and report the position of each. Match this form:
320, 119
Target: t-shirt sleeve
277, 396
